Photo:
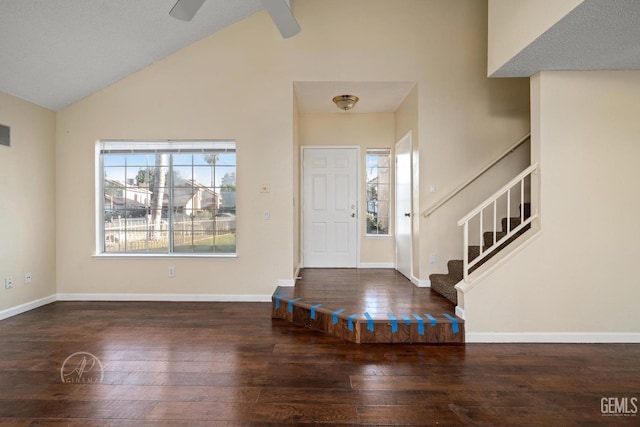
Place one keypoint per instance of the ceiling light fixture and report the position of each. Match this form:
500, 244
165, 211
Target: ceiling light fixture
345, 102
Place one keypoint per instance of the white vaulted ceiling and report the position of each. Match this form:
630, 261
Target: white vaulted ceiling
55, 52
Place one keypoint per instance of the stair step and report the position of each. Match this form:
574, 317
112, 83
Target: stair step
455, 267
444, 284
488, 237
473, 252
359, 329
515, 221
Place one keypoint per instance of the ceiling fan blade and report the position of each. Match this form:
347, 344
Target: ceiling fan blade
185, 10
282, 17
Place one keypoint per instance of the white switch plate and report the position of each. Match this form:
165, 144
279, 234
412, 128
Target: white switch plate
432, 258
432, 188
267, 215
172, 271
27, 278
8, 282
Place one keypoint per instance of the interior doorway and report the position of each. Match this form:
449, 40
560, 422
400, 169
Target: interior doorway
404, 211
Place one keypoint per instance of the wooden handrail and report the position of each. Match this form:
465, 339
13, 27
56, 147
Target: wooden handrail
451, 195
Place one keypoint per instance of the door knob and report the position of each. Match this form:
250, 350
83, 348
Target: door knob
353, 215
407, 214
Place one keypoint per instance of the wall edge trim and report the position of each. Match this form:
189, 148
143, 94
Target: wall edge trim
165, 297
553, 337
28, 306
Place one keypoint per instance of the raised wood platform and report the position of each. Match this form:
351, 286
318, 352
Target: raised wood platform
368, 306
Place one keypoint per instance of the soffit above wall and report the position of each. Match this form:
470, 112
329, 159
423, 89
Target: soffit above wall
375, 97
596, 35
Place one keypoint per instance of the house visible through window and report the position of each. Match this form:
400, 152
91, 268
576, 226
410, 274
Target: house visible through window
171, 197
378, 190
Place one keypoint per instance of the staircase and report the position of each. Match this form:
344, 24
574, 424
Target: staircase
444, 284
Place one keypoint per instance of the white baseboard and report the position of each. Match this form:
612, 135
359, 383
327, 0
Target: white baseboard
553, 337
165, 297
22, 308
421, 283
286, 282
376, 265
459, 312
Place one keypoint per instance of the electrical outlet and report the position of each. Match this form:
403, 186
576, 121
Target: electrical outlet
172, 271
266, 215
27, 278
432, 259
8, 282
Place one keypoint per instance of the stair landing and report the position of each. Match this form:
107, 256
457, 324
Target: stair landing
368, 306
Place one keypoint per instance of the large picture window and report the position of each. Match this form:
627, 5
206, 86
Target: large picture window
169, 197
378, 190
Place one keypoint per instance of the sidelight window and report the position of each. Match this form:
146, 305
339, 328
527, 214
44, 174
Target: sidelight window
378, 168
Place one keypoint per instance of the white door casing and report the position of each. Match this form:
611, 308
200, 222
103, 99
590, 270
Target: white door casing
403, 204
330, 207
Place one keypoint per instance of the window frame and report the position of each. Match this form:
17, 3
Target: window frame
147, 147
378, 152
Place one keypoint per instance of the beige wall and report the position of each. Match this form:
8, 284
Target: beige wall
238, 84
364, 131
466, 121
514, 24
297, 242
27, 202
577, 276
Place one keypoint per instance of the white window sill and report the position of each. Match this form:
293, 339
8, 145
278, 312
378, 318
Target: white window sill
378, 236
152, 255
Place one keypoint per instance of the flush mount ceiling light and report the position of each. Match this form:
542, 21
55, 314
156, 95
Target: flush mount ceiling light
345, 102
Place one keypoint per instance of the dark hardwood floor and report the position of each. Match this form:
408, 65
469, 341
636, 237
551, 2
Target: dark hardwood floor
191, 364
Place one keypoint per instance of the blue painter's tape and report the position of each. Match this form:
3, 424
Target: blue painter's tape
350, 320
313, 310
454, 323
394, 323
433, 320
369, 322
290, 305
407, 319
420, 323
335, 315
278, 297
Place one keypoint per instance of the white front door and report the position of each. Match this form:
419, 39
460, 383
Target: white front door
403, 206
330, 207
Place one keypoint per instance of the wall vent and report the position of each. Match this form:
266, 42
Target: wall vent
5, 133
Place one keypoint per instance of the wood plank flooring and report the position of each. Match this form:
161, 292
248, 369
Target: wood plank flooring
368, 306
203, 364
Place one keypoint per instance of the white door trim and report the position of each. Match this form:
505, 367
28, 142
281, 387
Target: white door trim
408, 136
358, 195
